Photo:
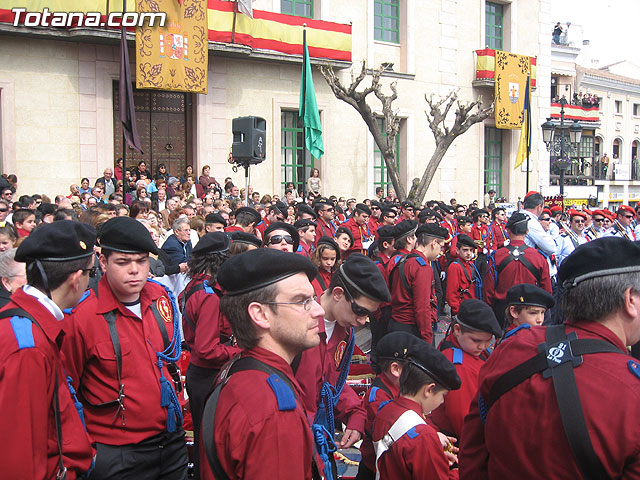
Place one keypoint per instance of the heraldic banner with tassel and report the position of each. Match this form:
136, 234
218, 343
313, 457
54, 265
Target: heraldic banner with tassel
173, 57
511, 75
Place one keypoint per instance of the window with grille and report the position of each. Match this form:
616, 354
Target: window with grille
300, 8
381, 176
293, 167
494, 19
386, 19
493, 160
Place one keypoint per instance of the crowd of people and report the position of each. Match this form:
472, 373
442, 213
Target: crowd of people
107, 290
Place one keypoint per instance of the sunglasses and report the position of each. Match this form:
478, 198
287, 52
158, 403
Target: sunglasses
544, 219
277, 239
358, 310
92, 271
390, 216
595, 219
629, 216
4, 209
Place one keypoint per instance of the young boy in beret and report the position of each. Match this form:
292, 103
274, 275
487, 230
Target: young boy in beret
466, 346
526, 306
388, 361
406, 446
462, 275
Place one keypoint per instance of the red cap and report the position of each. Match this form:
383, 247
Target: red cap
625, 208
604, 213
577, 213
530, 193
547, 211
556, 208
587, 211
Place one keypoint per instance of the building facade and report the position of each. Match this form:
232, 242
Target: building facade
59, 118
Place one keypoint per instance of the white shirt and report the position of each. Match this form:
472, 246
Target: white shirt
329, 327
537, 237
45, 301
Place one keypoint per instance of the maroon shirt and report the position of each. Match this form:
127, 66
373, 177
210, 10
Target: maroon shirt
523, 436
460, 275
30, 448
253, 437
418, 455
90, 361
371, 403
418, 308
203, 309
320, 364
360, 233
324, 229
514, 274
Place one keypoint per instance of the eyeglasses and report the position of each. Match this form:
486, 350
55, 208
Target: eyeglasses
408, 209
544, 219
330, 209
628, 216
390, 216
595, 219
578, 221
358, 310
4, 209
92, 271
306, 304
277, 239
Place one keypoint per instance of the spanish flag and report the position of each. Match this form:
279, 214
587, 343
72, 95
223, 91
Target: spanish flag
525, 135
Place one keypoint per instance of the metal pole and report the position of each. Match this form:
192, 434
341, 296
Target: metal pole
562, 146
246, 185
304, 104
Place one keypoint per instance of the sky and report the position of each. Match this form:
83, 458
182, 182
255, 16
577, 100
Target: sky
610, 26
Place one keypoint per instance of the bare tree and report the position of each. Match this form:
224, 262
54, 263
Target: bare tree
436, 114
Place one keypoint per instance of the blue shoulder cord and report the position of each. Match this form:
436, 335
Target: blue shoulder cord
171, 353
479, 282
324, 424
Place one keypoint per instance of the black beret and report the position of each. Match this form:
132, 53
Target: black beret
321, 205
395, 345
477, 315
214, 242
324, 240
447, 209
376, 203
477, 213
435, 364
372, 249
516, 218
528, 294
387, 210
259, 268
361, 207
362, 277
244, 237
282, 208
433, 230
254, 213
290, 229
126, 235
466, 240
304, 223
598, 258
304, 208
407, 204
386, 231
215, 218
426, 213
404, 228
58, 241
47, 208
464, 219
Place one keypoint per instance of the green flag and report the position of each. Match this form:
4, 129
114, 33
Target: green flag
309, 108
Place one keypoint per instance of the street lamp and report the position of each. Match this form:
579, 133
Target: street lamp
557, 144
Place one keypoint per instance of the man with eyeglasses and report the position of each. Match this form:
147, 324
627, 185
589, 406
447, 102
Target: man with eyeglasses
374, 220
622, 224
388, 216
4, 211
278, 212
449, 221
178, 244
121, 345
407, 210
255, 424
356, 290
324, 223
414, 305
573, 237
47, 433
597, 229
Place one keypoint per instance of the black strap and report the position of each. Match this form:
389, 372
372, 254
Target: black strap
321, 282
377, 382
557, 357
208, 415
573, 421
403, 277
185, 298
522, 259
19, 312
161, 325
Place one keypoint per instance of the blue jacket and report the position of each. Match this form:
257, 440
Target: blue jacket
178, 252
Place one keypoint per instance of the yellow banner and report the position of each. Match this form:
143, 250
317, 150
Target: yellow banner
510, 84
173, 57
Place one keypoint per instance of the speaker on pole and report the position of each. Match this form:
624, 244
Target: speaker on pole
249, 140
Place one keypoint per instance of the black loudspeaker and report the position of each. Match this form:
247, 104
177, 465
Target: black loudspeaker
249, 140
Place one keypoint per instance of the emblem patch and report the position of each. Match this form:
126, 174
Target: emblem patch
342, 346
83, 245
514, 92
164, 307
